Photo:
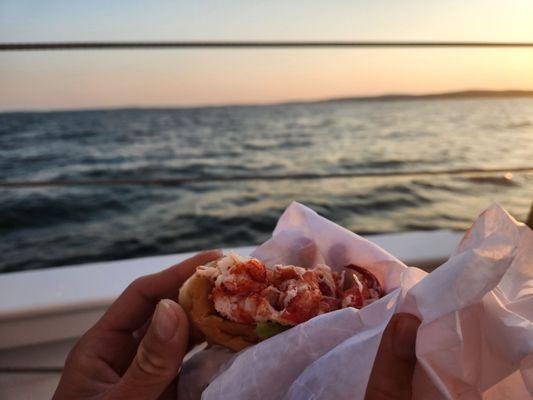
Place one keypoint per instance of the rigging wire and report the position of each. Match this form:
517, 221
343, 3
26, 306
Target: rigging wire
32, 46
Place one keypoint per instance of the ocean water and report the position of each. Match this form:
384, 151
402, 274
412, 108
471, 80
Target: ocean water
53, 226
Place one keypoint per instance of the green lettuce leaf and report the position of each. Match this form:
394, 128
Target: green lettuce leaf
265, 330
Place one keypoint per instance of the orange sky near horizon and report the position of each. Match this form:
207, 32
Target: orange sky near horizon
188, 78
151, 78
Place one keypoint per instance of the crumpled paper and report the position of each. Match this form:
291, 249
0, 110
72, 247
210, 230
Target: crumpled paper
475, 340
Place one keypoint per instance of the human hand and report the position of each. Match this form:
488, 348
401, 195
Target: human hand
134, 352
394, 365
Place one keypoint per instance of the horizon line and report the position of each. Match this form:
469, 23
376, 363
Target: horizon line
449, 95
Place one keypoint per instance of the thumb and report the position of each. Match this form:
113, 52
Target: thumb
393, 369
159, 355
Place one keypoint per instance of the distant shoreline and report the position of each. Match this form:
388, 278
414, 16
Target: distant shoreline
462, 94
455, 95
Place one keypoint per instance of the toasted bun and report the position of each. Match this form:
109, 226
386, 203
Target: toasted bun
205, 323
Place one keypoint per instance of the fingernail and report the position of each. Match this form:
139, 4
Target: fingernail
165, 321
404, 339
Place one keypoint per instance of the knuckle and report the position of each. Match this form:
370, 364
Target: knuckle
78, 352
72, 358
139, 282
152, 364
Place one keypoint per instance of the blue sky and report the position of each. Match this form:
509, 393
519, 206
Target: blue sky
23, 20
92, 79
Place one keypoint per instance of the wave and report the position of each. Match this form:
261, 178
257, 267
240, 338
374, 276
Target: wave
492, 180
57, 226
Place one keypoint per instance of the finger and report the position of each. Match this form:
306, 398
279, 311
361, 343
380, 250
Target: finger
392, 373
170, 392
135, 305
158, 357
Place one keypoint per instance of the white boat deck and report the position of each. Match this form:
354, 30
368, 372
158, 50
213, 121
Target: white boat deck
42, 313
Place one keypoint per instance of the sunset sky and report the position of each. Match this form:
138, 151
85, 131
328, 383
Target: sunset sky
92, 79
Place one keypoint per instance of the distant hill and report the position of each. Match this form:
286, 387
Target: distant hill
464, 94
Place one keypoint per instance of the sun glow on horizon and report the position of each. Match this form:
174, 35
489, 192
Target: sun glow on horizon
89, 79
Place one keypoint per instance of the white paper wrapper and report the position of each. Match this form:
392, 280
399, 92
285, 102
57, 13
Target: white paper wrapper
475, 340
